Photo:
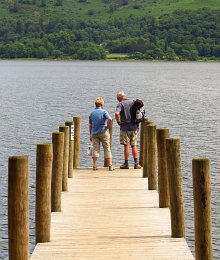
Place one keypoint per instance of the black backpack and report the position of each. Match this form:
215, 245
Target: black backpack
137, 111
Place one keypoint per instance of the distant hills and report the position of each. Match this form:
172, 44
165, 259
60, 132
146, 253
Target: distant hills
100, 9
116, 29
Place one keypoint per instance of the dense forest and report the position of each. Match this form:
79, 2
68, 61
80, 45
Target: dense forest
179, 35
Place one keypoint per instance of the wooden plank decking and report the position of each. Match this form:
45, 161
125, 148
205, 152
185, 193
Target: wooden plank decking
111, 215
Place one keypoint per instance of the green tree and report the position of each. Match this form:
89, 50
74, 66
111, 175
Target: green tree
158, 54
216, 51
204, 49
15, 50
58, 2
170, 54
19, 27
40, 52
43, 3
190, 54
91, 53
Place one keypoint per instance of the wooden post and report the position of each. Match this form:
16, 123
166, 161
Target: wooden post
151, 156
141, 154
71, 145
18, 207
65, 130
57, 171
163, 186
202, 208
77, 131
175, 187
44, 158
110, 132
106, 163
144, 151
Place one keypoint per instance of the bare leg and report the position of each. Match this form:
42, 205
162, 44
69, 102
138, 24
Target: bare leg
126, 151
134, 151
94, 161
135, 155
108, 161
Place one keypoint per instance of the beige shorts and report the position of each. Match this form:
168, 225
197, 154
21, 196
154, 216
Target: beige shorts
128, 137
103, 138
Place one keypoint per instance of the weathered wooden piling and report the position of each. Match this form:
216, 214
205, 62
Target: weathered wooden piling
141, 143
142, 136
65, 130
175, 187
143, 154
110, 132
44, 158
77, 131
202, 208
151, 156
106, 162
57, 171
163, 186
71, 147
18, 207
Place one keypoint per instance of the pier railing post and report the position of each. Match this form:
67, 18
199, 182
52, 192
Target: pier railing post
151, 156
18, 207
144, 146
77, 131
163, 186
202, 208
71, 146
175, 187
106, 163
141, 143
57, 171
65, 130
44, 159
110, 132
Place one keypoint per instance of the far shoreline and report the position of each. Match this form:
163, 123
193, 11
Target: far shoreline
107, 60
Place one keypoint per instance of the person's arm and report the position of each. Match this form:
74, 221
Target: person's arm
117, 117
90, 131
90, 128
109, 123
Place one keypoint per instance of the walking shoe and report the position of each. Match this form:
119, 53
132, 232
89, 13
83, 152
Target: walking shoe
137, 166
94, 168
124, 166
111, 168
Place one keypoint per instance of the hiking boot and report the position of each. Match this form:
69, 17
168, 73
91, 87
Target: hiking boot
111, 168
124, 166
137, 166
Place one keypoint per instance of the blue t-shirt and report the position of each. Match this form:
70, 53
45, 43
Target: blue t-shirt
98, 118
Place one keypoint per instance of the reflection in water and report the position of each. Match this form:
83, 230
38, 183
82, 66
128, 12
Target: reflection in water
38, 96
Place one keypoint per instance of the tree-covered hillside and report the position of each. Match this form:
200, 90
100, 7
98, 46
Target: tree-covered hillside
83, 29
101, 9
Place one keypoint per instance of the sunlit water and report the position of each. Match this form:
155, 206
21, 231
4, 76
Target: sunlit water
38, 96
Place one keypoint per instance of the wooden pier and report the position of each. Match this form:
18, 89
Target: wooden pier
122, 214
111, 215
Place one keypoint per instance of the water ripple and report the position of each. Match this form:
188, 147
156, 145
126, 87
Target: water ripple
38, 96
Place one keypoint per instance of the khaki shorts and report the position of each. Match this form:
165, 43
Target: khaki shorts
103, 138
128, 137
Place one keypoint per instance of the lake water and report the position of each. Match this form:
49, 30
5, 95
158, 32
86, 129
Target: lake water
38, 96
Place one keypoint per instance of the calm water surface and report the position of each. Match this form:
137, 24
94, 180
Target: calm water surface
38, 96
